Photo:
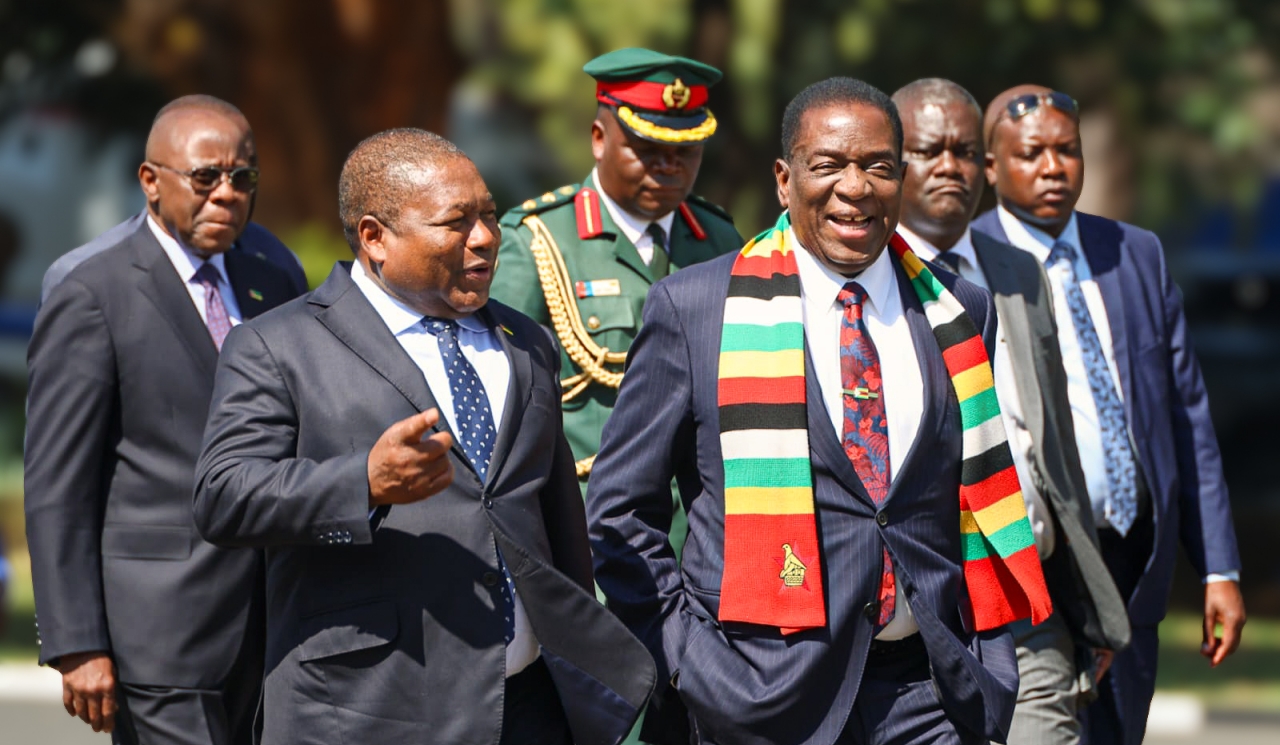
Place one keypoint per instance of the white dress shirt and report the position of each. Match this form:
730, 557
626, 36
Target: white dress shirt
483, 350
1084, 411
1015, 423
635, 228
903, 386
186, 262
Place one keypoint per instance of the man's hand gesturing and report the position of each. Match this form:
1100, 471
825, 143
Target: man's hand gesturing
404, 467
89, 688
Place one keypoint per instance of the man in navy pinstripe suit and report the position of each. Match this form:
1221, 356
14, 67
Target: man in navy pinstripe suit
923, 676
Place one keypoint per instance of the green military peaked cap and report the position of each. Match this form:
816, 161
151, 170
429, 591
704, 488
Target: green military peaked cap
658, 97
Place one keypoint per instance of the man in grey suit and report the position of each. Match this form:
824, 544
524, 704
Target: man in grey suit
394, 440
1059, 660
135, 610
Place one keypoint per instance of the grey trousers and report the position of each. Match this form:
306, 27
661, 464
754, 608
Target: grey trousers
1050, 686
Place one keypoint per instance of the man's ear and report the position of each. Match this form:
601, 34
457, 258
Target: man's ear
990, 169
149, 179
782, 174
597, 139
372, 234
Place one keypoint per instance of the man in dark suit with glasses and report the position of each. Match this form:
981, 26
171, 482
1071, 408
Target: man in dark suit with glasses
157, 634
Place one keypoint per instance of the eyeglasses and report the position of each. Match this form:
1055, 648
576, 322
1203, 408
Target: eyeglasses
1020, 106
207, 178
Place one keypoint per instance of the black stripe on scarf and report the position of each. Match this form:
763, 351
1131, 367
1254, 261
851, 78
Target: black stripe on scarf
763, 416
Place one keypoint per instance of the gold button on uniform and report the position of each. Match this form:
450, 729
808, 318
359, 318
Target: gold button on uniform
593, 322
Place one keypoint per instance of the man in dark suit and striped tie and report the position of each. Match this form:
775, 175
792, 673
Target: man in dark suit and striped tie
825, 403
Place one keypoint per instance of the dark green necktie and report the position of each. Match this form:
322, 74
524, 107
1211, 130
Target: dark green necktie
660, 263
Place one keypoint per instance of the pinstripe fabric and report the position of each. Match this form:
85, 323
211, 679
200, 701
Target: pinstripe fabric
745, 683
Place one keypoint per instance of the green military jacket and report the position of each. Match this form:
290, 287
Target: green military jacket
597, 283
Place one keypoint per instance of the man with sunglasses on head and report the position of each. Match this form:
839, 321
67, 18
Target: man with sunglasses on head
1058, 660
1138, 403
157, 634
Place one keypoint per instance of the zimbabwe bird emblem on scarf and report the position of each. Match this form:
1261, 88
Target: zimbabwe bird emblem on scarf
792, 573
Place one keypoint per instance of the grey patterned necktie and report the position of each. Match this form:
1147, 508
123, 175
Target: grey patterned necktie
951, 260
476, 430
1121, 506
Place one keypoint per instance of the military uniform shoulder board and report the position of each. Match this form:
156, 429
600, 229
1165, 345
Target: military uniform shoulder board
695, 227
711, 207
586, 206
540, 204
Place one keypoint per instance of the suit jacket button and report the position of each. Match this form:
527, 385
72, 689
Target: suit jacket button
871, 610
489, 579
882, 518
488, 503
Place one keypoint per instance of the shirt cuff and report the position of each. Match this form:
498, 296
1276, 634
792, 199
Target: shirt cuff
1231, 576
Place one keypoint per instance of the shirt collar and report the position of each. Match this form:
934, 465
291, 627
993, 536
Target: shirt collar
927, 251
184, 259
1034, 240
822, 284
631, 226
400, 318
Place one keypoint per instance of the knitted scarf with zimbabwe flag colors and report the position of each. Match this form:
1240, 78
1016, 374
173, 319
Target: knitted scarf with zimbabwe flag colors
772, 557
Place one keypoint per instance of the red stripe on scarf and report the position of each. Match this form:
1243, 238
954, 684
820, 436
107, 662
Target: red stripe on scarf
763, 267
960, 357
761, 391
752, 588
990, 490
997, 581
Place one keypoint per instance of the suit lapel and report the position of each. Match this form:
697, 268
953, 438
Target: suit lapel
519, 391
623, 249
823, 440
253, 295
163, 287
349, 316
1015, 326
938, 392
1105, 255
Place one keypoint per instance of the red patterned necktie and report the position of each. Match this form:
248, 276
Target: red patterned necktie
215, 312
866, 431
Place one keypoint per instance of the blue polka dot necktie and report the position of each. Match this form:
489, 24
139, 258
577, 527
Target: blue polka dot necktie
475, 429
1121, 506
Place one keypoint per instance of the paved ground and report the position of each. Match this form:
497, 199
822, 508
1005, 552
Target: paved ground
31, 714
31, 723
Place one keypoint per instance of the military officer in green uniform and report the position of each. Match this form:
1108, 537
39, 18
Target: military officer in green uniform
580, 259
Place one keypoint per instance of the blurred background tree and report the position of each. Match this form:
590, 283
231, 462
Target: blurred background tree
1181, 97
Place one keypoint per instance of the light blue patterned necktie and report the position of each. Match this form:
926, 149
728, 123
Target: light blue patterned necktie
476, 431
1121, 507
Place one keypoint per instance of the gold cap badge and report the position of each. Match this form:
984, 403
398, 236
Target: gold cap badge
676, 95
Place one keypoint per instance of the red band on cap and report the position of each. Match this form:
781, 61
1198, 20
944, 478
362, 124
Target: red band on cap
643, 94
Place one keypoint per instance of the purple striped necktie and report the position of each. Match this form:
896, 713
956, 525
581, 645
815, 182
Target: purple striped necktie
215, 312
